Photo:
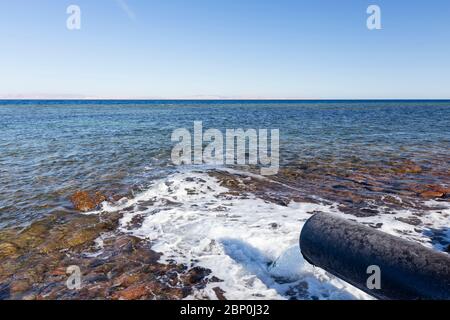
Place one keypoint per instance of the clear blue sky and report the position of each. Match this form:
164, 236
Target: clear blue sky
225, 48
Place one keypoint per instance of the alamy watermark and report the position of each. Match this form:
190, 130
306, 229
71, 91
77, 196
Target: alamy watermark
73, 22
74, 280
374, 19
374, 280
239, 146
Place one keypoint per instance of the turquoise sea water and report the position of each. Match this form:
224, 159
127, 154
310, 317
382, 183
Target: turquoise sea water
50, 149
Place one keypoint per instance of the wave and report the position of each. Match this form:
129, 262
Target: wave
249, 243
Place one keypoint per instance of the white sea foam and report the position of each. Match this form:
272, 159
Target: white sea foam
249, 243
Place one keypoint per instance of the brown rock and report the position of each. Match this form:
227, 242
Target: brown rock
128, 269
61, 271
32, 236
431, 194
416, 188
84, 202
219, 293
409, 167
80, 237
438, 188
126, 280
132, 293
118, 197
7, 250
19, 286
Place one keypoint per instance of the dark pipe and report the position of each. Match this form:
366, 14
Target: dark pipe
346, 249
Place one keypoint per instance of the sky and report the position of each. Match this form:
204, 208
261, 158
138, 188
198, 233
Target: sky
225, 49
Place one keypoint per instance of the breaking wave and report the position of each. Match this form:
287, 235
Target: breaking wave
247, 242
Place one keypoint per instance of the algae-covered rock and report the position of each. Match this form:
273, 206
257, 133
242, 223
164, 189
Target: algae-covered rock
84, 201
8, 250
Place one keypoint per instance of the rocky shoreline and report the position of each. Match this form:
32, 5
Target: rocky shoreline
116, 265
35, 261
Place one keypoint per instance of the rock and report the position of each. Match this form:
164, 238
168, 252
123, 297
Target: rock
281, 201
61, 271
439, 188
215, 279
191, 192
69, 237
409, 167
95, 278
19, 286
414, 221
432, 194
136, 222
118, 197
415, 187
219, 293
429, 191
196, 275
127, 269
7, 250
231, 183
291, 173
392, 200
367, 212
126, 280
32, 236
80, 237
132, 293
84, 202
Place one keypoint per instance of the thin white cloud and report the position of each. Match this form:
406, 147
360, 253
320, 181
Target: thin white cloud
126, 8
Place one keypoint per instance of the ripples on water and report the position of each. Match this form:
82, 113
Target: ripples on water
49, 149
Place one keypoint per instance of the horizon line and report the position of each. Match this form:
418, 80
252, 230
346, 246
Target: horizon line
224, 99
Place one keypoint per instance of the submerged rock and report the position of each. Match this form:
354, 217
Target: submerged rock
35, 260
84, 202
409, 167
7, 250
431, 194
18, 286
434, 191
134, 292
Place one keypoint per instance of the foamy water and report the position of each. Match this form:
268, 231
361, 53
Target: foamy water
249, 243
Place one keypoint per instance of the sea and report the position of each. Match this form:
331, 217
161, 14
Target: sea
383, 163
